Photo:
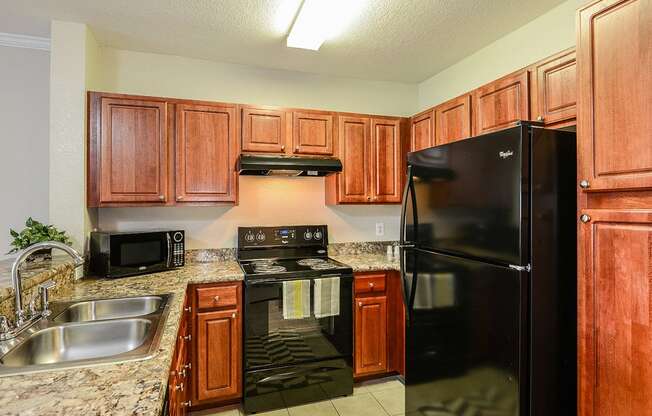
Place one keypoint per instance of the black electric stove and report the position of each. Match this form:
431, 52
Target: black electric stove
292, 361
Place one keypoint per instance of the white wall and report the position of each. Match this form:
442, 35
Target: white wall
24, 104
550, 33
263, 201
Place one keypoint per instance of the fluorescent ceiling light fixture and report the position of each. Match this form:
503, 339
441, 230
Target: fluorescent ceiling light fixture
319, 20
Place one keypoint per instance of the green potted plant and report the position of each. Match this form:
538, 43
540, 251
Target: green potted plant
35, 232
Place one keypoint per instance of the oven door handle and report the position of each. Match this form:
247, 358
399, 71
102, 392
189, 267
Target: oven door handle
293, 374
169, 260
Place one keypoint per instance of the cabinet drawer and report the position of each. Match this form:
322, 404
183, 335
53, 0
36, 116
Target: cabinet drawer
370, 283
217, 297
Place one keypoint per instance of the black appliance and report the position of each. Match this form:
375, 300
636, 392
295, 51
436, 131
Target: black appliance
287, 165
120, 254
488, 262
288, 362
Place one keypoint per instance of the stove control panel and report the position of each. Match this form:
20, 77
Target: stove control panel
287, 236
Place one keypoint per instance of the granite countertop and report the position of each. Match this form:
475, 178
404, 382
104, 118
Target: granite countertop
31, 274
132, 388
366, 262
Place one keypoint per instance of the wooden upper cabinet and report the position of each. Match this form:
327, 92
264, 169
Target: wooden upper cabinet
453, 120
354, 138
501, 104
312, 133
422, 132
554, 90
264, 130
386, 160
615, 94
206, 153
128, 151
615, 313
370, 335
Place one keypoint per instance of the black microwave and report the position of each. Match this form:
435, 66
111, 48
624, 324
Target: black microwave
120, 254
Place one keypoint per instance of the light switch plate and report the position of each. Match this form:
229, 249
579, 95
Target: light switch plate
380, 229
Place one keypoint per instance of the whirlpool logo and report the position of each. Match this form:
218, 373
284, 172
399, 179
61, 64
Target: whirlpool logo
505, 154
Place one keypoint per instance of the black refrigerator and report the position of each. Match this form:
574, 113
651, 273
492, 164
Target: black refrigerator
488, 262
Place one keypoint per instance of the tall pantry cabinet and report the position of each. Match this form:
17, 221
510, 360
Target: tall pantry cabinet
614, 53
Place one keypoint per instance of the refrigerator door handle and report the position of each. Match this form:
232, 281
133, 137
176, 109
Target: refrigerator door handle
406, 191
525, 268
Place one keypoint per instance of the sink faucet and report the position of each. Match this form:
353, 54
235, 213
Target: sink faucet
16, 282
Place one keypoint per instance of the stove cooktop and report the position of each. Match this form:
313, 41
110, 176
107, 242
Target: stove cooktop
288, 268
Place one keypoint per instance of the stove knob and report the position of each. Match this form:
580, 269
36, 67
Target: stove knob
317, 235
260, 236
249, 237
307, 235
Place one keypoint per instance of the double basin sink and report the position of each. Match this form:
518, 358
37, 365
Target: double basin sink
88, 332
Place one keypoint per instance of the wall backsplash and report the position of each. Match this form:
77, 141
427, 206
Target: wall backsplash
263, 201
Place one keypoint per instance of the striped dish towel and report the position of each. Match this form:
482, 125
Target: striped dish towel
327, 297
296, 299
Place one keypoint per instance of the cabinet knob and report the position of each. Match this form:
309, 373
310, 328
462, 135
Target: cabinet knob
296, 149
186, 404
371, 284
187, 337
540, 118
585, 218
187, 366
179, 387
584, 184
233, 315
179, 198
283, 148
188, 309
360, 304
161, 197
368, 198
216, 298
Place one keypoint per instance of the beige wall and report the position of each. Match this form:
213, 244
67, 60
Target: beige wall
72, 46
24, 118
542, 37
263, 201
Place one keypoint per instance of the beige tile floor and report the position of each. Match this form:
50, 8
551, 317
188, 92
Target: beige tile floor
373, 398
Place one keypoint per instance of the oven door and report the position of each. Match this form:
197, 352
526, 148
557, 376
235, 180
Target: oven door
272, 341
140, 253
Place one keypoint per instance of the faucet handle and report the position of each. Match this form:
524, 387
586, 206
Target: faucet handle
43, 289
32, 307
5, 325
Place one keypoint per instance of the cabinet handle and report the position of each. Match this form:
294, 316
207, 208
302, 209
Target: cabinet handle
179, 198
296, 149
360, 304
188, 366
183, 372
188, 309
371, 284
283, 148
161, 197
368, 198
179, 387
584, 184
186, 404
216, 298
585, 218
187, 337
540, 118
233, 315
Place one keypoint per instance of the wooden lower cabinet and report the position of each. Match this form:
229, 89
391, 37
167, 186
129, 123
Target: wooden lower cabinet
180, 373
217, 345
615, 312
378, 324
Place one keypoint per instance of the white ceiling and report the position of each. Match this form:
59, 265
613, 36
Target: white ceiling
392, 40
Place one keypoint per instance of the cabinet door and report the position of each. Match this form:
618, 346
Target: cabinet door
206, 153
554, 90
219, 356
370, 335
615, 94
501, 104
453, 120
386, 160
422, 131
615, 313
133, 151
353, 182
264, 130
312, 133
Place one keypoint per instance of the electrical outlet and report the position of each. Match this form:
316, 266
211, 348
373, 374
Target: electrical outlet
380, 229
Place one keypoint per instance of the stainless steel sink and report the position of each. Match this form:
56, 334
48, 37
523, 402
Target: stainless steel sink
88, 332
94, 310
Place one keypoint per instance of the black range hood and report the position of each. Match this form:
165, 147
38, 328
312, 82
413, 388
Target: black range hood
287, 165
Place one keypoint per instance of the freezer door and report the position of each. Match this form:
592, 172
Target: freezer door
465, 349
471, 197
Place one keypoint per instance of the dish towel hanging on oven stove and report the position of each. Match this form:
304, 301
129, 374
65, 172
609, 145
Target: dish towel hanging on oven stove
327, 297
296, 299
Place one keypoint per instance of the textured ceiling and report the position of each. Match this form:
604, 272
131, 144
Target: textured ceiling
393, 40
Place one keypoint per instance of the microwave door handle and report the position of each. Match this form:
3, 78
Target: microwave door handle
169, 260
